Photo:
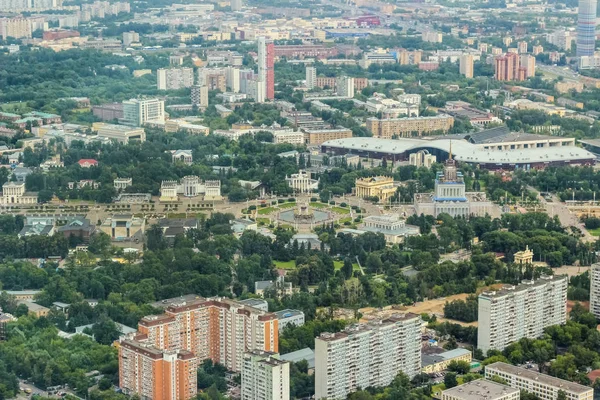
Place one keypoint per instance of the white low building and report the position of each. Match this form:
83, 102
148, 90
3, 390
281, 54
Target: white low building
302, 182
14, 193
190, 186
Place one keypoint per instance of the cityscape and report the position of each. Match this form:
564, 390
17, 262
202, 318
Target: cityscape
326, 200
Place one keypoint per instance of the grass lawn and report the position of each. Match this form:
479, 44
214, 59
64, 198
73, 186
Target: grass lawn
594, 232
340, 210
319, 205
266, 210
264, 221
15, 108
338, 265
285, 264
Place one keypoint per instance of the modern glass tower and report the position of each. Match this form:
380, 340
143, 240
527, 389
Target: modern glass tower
586, 28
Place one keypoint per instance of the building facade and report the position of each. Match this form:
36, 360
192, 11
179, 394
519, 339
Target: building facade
367, 356
266, 63
586, 28
595, 290
265, 377
153, 373
407, 127
137, 112
466, 65
174, 78
302, 182
381, 187
544, 386
14, 193
318, 136
515, 312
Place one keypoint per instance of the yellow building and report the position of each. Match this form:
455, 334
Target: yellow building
407, 127
524, 256
376, 186
432, 363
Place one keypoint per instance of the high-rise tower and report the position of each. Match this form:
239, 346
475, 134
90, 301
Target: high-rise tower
266, 62
586, 28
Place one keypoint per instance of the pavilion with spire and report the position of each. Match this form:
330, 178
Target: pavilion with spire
450, 195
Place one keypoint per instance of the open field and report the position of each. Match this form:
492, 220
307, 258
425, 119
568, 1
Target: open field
285, 264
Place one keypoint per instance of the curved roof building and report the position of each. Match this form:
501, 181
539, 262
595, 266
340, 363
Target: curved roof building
493, 149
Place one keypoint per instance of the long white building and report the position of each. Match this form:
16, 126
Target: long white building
544, 386
595, 290
265, 376
367, 355
174, 78
515, 312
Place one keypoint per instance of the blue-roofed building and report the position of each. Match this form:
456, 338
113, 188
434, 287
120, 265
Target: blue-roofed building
289, 317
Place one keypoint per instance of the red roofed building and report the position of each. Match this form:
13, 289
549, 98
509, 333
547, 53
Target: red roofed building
87, 162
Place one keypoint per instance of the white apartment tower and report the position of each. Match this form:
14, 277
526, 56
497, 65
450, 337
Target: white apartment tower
136, 112
345, 86
515, 312
595, 290
311, 77
174, 78
265, 376
367, 355
466, 65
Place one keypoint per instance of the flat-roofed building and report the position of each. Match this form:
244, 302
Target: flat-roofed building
318, 136
265, 376
524, 310
432, 363
367, 355
407, 127
153, 373
381, 187
121, 133
481, 389
544, 386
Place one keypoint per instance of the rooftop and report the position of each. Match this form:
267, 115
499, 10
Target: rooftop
462, 150
524, 285
562, 384
480, 389
288, 313
301, 355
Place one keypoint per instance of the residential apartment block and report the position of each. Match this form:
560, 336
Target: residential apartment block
156, 374
515, 312
407, 127
544, 386
220, 329
265, 377
595, 290
367, 355
159, 361
174, 78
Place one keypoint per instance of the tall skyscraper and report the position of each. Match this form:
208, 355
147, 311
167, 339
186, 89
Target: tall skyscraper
311, 76
595, 290
266, 63
466, 65
265, 377
515, 312
367, 355
586, 28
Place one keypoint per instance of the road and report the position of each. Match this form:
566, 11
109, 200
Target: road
34, 390
565, 216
